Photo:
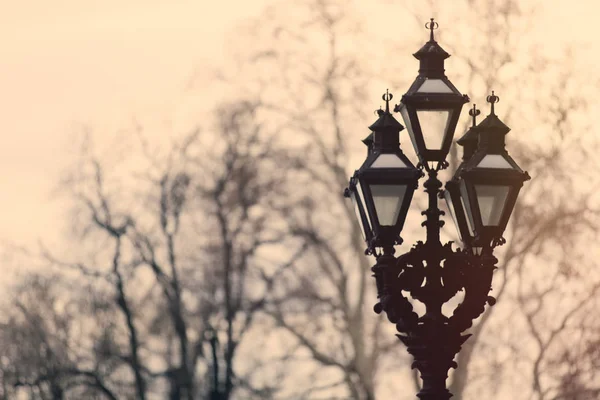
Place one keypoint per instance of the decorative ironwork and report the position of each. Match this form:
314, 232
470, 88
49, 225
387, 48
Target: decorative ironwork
433, 274
432, 25
493, 99
474, 112
387, 97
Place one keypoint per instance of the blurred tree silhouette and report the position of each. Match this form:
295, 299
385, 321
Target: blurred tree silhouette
309, 77
48, 349
178, 258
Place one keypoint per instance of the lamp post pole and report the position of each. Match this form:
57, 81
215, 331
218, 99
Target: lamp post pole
480, 197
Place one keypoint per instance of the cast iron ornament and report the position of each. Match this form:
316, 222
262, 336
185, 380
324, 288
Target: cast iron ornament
433, 274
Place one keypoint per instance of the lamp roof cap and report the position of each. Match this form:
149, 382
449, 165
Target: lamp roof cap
472, 134
492, 122
386, 120
431, 49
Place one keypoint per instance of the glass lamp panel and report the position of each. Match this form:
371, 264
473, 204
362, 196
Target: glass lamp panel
464, 200
388, 161
469, 217
434, 86
491, 201
362, 201
452, 213
358, 217
433, 127
494, 161
388, 200
407, 122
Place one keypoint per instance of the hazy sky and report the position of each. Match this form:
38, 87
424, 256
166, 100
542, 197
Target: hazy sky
64, 63
68, 62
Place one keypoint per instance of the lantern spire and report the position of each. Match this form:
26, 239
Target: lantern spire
386, 130
492, 130
431, 25
387, 97
471, 137
386, 124
493, 99
474, 112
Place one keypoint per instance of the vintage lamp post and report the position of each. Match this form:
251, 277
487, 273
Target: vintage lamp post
480, 196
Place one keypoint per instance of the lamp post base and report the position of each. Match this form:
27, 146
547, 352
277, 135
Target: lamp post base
434, 353
433, 339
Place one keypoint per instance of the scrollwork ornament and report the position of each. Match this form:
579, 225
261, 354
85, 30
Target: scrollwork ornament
433, 274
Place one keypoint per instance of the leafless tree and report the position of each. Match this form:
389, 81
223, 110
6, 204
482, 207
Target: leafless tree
178, 250
44, 350
323, 303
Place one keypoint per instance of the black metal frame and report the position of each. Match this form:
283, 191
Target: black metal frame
353, 193
485, 234
387, 176
414, 101
452, 191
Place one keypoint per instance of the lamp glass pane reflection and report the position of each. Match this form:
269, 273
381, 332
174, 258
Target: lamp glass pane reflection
494, 161
358, 216
491, 201
464, 200
388, 161
450, 206
433, 126
362, 201
409, 127
388, 200
434, 86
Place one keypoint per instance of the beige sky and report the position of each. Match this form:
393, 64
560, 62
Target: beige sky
70, 62
67, 62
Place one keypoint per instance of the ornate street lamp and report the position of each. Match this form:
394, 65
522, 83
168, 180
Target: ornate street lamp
382, 188
480, 196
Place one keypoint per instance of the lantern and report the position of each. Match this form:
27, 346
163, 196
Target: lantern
432, 105
489, 182
382, 188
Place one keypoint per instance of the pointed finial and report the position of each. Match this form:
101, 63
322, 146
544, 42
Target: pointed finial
474, 113
431, 25
493, 99
387, 97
